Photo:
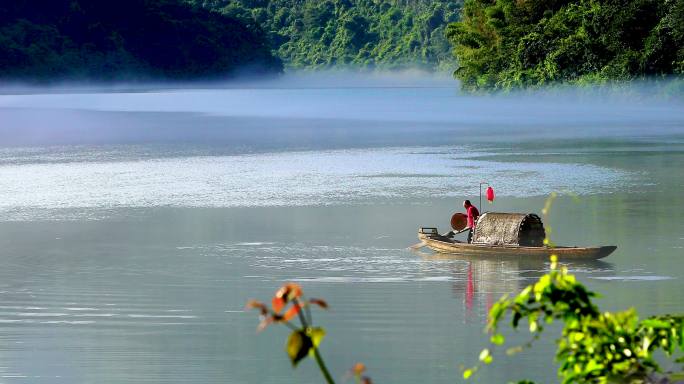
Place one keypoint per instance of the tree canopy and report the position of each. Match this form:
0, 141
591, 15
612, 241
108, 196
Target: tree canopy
125, 39
501, 44
385, 34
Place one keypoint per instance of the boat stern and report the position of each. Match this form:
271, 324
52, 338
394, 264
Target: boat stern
426, 232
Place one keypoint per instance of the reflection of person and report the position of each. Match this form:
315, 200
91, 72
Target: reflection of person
472, 214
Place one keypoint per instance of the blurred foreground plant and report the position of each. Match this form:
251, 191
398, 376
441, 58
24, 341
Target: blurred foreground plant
287, 304
595, 347
358, 372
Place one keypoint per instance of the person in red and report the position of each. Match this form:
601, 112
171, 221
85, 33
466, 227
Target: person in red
473, 215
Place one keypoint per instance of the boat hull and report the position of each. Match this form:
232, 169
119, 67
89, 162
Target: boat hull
445, 245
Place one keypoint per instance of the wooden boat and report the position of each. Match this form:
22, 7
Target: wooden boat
508, 234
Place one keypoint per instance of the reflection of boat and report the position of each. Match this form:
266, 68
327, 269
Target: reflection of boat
479, 280
508, 234
527, 267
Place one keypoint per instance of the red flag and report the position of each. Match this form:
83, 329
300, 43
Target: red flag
490, 194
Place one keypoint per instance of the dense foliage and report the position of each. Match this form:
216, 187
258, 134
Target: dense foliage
384, 34
595, 347
501, 44
125, 39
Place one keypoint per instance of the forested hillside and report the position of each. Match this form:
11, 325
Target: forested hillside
501, 44
124, 39
386, 34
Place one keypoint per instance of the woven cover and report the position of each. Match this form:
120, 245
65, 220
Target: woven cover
509, 229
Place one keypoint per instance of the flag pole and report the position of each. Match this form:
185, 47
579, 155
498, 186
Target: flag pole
481, 184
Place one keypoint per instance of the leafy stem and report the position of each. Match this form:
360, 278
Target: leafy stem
314, 348
321, 365
288, 303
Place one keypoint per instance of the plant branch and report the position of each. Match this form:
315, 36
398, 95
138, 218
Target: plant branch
317, 354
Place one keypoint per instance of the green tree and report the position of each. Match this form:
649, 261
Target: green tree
501, 44
128, 39
384, 34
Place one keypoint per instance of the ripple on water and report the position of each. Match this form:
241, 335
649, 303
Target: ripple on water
109, 315
634, 278
91, 188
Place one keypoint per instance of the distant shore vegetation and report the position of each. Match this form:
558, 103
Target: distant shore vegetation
48, 40
507, 44
489, 45
359, 34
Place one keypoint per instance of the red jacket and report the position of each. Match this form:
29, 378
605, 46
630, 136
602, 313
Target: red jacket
473, 214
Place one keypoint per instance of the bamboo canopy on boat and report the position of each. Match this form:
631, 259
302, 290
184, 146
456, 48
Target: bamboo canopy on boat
497, 228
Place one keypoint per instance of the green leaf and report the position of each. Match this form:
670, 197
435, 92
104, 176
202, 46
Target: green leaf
524, 295
592, 365
655, 323
316, 335
484, 354
497, 339
533, 326
497, 311
532, 318
298, 346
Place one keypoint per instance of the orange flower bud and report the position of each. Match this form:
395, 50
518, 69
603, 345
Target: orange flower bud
292, 312
278, 304
358, 369
289, 292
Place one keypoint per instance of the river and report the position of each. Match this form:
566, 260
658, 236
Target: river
136, 222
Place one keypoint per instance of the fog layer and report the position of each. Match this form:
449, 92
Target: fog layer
329, 109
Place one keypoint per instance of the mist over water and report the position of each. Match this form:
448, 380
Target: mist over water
315, 109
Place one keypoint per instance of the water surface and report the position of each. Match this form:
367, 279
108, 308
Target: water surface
135, 225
